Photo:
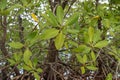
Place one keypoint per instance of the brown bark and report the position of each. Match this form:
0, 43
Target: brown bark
52, 56
21, 29
52, 51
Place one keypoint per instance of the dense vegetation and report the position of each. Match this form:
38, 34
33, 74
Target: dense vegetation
59, 40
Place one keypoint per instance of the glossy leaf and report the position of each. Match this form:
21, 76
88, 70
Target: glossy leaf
59, 40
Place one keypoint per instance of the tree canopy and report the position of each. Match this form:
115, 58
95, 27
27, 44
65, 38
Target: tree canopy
59, 40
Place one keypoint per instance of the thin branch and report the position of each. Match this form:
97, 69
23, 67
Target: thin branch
73, 1
21, 28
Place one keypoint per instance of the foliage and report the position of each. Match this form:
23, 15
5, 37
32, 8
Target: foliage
39, 40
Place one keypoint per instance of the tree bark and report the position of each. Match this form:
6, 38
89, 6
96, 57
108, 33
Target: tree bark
53, 55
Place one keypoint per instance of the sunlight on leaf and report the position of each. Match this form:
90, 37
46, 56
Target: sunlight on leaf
34, 17
82, 70
49, 33
59, 41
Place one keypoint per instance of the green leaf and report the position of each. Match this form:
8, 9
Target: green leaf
115, 2
28, 1
82, 48
7, 11
3, 4
73, 43
72, 19
93, 56
106, 23
35, 62
32, 35
82, 70
28, 68
27, 55
86, 37
24, 2
97, 36
66, 45
16, 45
49, 33
17, 56
92, 68
91, 33
109, 76
73, 31
49, 21
59, 40
36, 76
53, 18
12, 62
85, 58
77, 26
33, 40
29, 63
39, 70
79, 58
60, 14
101, 44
